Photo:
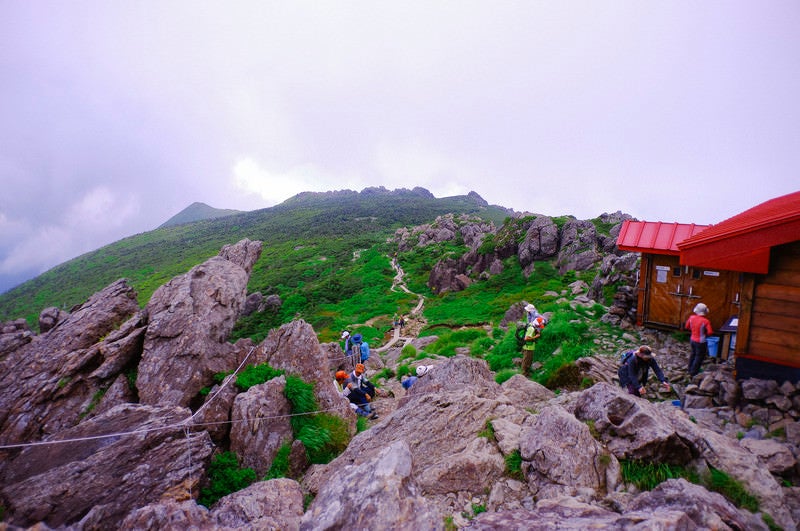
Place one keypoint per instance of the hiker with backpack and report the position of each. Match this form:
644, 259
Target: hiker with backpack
359, 349
362, 391
533, 331
700, 327
635, 368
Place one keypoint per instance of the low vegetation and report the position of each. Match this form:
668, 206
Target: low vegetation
647, 476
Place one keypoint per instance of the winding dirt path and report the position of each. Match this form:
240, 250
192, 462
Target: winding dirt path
415, 321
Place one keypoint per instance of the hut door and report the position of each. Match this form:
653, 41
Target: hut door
665, 293
713, 288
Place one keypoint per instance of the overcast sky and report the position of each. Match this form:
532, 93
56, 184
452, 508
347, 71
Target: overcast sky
114, 116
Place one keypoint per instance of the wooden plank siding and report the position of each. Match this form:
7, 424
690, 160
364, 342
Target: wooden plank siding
773, 330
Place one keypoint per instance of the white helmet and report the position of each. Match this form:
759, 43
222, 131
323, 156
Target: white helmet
701, 309
530, 308
345, 334
422, 370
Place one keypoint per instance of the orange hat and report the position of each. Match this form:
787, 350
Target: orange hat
341, 375
360, 368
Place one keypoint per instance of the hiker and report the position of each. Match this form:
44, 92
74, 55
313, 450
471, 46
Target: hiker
408, 381
533, 331
340, 382
532, 313
347, 348
402, 322
395, 321
361, 390
700, 327
359, 348
633, 372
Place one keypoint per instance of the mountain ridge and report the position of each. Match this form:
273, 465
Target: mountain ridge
151, 258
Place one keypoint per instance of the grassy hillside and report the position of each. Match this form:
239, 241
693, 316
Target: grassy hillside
309, 242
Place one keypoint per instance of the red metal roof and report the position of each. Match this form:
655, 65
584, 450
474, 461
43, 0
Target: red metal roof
742, 242
655, 236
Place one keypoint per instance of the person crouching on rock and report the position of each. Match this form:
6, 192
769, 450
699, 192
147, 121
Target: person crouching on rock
344, 391
361, 390
636, 367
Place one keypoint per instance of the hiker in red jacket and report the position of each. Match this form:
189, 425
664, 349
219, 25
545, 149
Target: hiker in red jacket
700, 327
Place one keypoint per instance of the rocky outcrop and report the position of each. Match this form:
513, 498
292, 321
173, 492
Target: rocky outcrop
190, 319
636, 429
50, 383
471, 230
96, 477
274, 504
577, 246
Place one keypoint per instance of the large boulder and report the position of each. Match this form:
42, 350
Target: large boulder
260, 424
553, 467
631, 427
96, 472
375, 492
191, 318
439, 420
294, 347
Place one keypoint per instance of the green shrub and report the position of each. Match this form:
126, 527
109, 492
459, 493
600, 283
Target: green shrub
361, 424
732, 489
403, 370
255, 375
324, 436
225, 477
450, 340
504, 374
481, 346
487, 431
280, 464
514, 466
502, 356
385, 373
409, 352
646, 476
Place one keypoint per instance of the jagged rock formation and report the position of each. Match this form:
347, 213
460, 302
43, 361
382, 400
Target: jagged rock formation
118, 455
577, 245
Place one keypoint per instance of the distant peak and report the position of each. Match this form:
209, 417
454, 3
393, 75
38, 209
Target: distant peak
197, 211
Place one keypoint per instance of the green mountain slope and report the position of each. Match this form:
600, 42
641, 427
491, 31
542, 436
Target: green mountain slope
197, 212
309, 242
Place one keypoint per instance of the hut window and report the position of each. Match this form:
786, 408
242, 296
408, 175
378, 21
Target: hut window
676, 271
695, 273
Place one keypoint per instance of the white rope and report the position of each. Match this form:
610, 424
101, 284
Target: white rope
225, 382
178, 426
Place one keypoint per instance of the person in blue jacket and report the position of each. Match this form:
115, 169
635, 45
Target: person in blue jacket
635, 369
